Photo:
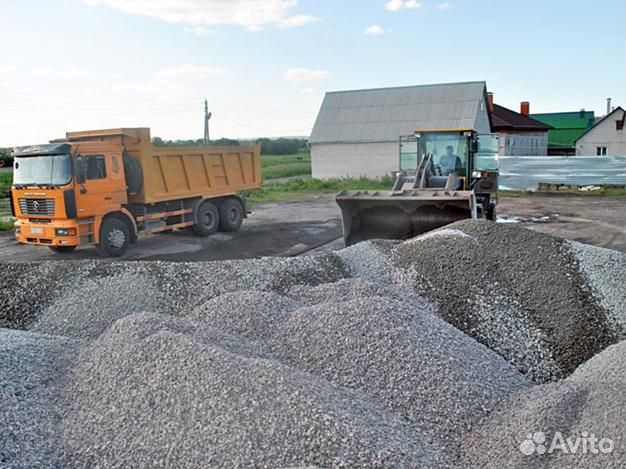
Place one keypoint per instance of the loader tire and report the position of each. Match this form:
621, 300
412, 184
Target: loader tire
231, 215
114, 237
207, 220
62, 249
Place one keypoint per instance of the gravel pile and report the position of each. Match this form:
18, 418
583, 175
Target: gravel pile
385, 354
409, 359
251, 314
605, 272
37, 295
592, 401
369, 260
32, 376
161, 391
517, 291
349, 289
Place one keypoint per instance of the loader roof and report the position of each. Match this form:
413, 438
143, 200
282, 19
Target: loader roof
385, 114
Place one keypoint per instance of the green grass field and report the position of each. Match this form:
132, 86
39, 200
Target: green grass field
5, 184
298, 189
280, 166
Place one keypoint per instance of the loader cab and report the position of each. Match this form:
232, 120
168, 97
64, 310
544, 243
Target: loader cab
451, 152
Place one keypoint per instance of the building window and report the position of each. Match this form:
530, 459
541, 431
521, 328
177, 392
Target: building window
601, 151
96, 168
619, 125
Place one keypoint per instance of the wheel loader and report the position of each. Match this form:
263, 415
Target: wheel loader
444, 176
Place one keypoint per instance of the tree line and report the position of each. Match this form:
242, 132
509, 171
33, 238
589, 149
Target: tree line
276, 146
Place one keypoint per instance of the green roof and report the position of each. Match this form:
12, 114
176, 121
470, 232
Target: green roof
567, 126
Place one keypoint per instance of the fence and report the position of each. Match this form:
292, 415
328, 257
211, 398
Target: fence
526, 172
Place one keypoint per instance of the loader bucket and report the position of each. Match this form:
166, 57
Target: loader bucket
401, 214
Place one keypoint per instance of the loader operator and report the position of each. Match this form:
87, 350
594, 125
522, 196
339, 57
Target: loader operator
450, 163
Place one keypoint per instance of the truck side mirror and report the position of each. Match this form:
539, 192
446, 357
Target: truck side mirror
80, 169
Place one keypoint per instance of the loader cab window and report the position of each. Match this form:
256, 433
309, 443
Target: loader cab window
486, 158
449, 150
95, 167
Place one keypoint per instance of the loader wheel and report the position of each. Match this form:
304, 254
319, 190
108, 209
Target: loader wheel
62, 249
114, 237
491, 212
207, 220
231, 215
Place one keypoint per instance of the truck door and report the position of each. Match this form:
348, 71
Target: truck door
100, 186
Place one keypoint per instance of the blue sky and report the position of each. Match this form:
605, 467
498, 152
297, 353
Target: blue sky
264, 65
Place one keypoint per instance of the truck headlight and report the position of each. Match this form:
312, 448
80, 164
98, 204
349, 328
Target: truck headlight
18, 230
476, 174
65, 231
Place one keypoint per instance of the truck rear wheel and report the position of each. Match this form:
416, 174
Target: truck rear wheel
62, 249
491, 212
231, 215
207, 220
114, 237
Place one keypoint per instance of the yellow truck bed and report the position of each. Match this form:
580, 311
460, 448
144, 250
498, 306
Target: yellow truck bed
171, 173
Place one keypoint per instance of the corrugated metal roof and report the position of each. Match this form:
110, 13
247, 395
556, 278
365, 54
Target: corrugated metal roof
385, 114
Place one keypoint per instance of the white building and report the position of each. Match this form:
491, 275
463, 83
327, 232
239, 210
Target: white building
357, 133
605, 137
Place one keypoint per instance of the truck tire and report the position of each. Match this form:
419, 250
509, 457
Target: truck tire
491, 212
231, 215
207, 220
114, 237
62, 249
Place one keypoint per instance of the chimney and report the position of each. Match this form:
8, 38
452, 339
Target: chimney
524, 108
490, 101
608, 105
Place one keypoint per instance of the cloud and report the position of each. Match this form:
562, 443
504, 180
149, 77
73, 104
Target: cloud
298, 20
375, 30
304, 74
396, 5
444, 5
73, 72
251, 14
42, 71
199, 30
190, 71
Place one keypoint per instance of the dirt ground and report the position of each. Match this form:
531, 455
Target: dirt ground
313, 225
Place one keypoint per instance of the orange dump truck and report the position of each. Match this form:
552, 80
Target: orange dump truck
104, 187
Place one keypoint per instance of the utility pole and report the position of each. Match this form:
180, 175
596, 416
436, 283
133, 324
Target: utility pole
207, 116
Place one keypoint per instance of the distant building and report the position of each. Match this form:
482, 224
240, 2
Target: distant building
519, 134
566, 128
357, 133
605, 137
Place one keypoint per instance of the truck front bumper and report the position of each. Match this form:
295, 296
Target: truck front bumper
46, 234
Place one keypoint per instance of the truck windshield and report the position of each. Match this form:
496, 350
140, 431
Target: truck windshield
45, 170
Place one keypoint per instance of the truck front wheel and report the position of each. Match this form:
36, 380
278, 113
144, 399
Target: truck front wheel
207, 220
231, 215
114, 237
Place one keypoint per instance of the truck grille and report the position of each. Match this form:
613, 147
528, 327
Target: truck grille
37, 207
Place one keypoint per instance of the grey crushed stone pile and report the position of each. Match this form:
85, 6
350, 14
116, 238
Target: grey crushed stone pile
249, 313
154, 391
592, 401
517, 291
605, 272
32, 377
409, 359
384, 354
